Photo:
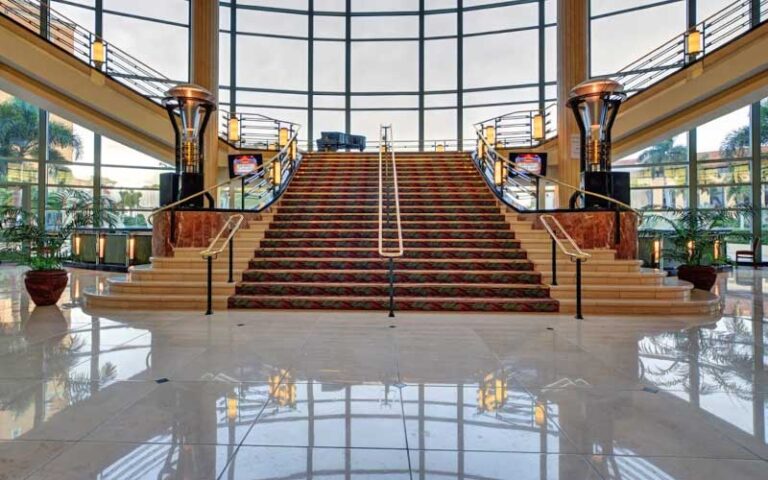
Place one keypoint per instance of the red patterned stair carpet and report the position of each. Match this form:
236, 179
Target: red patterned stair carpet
320, 251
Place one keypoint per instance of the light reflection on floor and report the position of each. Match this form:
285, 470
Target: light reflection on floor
289, 395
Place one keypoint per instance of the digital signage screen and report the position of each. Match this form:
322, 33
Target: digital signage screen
244, 164
531, 162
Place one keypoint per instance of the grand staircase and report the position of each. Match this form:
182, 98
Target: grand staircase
320, 250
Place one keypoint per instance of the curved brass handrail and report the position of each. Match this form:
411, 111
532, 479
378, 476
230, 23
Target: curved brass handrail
388, 145
233, 223
507, 163
256, 174
576, 253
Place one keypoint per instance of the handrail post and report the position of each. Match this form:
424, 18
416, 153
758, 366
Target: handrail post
209, 310
231, 257
242, 193
391, 287
554, 262
578, 290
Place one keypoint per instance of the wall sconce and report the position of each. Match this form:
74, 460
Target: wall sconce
102, 247
694, 43
293, 150
716, 252
498, 172
537, 127
233, 128
539, 414
98, 53
277, 173
76, 241
691, 247
439, 147
282, 137
232, 406
480, 148
490, 134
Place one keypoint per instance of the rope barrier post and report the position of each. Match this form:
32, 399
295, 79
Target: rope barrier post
209, 310
578, 290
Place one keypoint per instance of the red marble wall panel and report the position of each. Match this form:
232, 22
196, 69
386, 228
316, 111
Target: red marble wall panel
193, 229
597, 230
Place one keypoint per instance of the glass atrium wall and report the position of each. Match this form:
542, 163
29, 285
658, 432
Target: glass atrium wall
430, 67
75, 157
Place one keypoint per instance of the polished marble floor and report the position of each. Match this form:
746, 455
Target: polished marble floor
294, 395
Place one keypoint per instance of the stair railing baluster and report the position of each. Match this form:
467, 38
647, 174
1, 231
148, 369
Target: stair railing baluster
577, 255
232, 224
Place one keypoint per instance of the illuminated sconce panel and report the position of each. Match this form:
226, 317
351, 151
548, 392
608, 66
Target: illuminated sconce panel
76, 242
283, 136
537, 127
490, 134
102, 247
293, 151
716, 252
498, 172
439, 147
98, 52
233, 129
277, 172
131, 249
694, 42
539, 414
691, 247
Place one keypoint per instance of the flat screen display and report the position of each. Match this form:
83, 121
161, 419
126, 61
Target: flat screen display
244, 164
532, 162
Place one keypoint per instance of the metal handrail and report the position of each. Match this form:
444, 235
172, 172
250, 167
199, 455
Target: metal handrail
576, 255
386, 133
233, 223
384, 252
576, 252
245, 178
214, 252
491, 154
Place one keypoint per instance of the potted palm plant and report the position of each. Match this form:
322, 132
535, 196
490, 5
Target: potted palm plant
25, 239
693, 237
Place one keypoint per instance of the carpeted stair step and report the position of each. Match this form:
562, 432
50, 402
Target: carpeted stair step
466, 234
382, 276
345, 201
414, 253
402, 290
344, 225
381, 264
374, 209
528, 305
373, 243
405, 217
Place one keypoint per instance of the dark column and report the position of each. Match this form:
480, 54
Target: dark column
310, 75
348, 70
421, 75
232, 56
460, 74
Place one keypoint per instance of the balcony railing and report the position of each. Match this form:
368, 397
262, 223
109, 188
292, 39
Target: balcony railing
254, 130
521, 129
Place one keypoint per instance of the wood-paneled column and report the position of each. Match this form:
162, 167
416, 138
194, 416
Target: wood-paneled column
572, 69
204, 71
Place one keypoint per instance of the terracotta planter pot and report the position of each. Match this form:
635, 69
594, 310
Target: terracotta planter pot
702, 277
45, 286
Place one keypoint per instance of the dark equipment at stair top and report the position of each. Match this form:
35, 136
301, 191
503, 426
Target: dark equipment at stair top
333, 141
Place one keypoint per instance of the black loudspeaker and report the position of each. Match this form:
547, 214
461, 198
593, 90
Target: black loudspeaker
611, 184
174, 187
169, 188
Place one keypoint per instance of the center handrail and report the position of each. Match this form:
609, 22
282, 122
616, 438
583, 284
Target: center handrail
388, 145
245, 178
575, 254
232, 224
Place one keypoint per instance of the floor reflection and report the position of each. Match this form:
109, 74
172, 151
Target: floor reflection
284, 395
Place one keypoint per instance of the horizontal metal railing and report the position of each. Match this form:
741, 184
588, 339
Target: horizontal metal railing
253, 130
516, 129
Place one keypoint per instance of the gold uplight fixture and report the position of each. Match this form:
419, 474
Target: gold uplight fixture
537, 127
98, 53
131, 249
293, 150
716, 252
490, 134
76, 241
102, 247
694, 43
656, 253
233, 128
277, 173
282, 137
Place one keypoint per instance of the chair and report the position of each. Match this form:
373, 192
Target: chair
752, 254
